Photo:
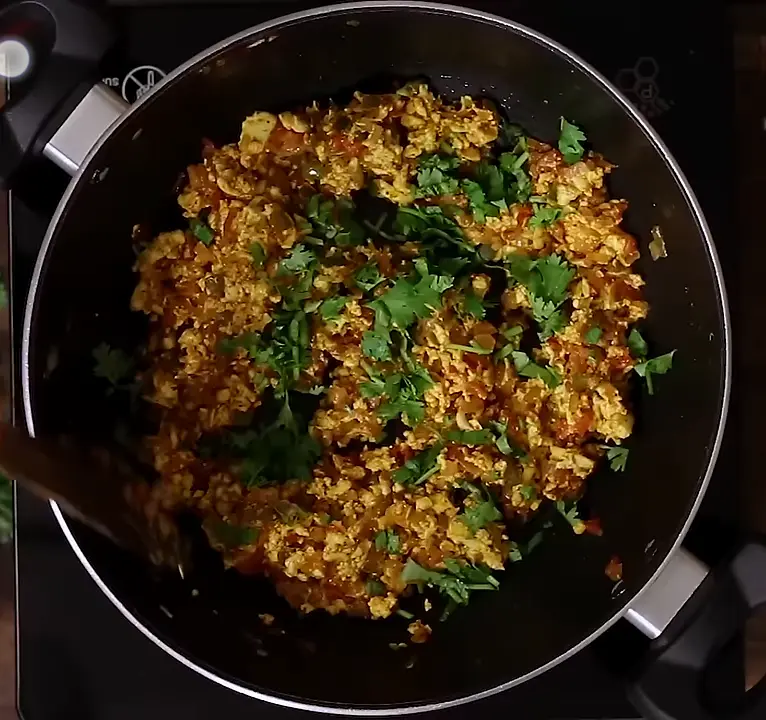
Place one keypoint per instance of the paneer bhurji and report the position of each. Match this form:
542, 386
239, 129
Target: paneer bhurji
391, 332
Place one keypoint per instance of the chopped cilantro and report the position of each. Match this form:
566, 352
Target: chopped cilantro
481, 512
389, 541
656, 366
547, 280
419, 468
637, 344
456, 582
233, 536
528, 492
481, 207
593, 335
202, 232
570, 515
273, 454
570, 142
112, 364
368, 277
497, 435
617, 456
375, 345
471, 437
513, 337
410, 299
526, 368
503, 442
375, 588
545, 216
300, 259
332, 307
332, 220
258, 254
436, 175
474, 347
403, 391
474, 306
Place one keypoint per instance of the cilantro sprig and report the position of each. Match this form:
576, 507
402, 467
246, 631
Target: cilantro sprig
272, 454
332, 220
546, 280
456, 582
113, 365
410, 299
648, 367
480, 509
617, 457
403, 392
436, 175
496, 434
388, 540
201, 231
420, 467
570, 142
526, 368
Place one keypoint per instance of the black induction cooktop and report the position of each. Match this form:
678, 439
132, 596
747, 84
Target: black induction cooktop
78, 657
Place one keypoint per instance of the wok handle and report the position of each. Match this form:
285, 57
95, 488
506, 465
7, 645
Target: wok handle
50, 55
695, 667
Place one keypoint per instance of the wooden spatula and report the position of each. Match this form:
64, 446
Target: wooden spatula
96, 488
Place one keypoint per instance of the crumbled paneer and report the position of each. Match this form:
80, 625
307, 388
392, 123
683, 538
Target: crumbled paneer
345, 399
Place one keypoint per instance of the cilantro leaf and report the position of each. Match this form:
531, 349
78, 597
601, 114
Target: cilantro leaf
112, 364
457, 581
617, 456
656, 366
410, 299
548, 317
376, 345
300, 259
368, 277
271, 454
481, 513
570, 142
547, 280
544, 216
331, 219
420, 467
556, 274
201, 231
526, 368
375, 588
474, 347
471, 437
503, 442
571, 516
389, 541
637, 344
593, 335
436, 175
233, 536
332, 307
404, 392
474, 306
412, 411
512, 336
258, 254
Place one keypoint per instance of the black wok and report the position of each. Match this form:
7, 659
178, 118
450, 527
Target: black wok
548, 606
